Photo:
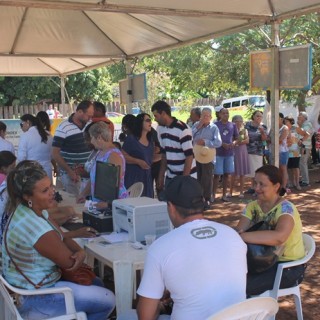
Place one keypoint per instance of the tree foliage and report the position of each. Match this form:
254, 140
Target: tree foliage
94, 84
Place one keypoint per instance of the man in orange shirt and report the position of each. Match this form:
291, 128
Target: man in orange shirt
100, 115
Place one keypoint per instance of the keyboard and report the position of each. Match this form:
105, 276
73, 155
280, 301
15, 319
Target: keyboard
71, 226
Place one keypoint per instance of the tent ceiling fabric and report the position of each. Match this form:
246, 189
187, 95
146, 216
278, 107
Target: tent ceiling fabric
64, 37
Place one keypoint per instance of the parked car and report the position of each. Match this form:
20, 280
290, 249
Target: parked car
175, 108
111, 114
255, 101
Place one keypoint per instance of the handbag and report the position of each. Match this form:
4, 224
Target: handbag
260, 257
83, 275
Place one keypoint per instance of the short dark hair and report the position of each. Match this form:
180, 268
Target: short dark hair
99, 106
255, 112
161, 106
84, 105
281, 116
3, 126
6, 158
274, 175
197, 111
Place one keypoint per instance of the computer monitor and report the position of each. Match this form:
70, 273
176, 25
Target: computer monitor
107, 181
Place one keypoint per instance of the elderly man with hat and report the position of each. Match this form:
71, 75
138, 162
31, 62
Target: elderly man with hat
206, 137
195, 262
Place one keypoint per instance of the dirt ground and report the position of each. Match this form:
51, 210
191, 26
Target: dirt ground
307, 202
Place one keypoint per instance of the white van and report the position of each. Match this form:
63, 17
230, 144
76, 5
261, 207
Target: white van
255, 101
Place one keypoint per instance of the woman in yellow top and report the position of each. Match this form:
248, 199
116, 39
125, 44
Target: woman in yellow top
286, 230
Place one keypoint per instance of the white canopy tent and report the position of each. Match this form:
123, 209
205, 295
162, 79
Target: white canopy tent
58, 38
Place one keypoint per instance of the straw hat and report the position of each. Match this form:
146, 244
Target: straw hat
203, 154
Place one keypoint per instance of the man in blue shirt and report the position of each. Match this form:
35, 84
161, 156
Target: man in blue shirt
206, 134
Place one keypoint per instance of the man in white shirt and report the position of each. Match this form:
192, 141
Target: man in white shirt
50, 112
305, 130
201, 263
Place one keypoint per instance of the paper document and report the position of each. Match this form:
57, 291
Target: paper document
116, 237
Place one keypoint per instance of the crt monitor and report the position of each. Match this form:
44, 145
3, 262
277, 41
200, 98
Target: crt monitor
107, 181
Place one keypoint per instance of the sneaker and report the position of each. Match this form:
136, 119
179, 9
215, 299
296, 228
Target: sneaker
250, 191
241, 196
304, 184
298, 187
225, 199
207, 206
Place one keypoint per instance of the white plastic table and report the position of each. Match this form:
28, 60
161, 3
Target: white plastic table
125, 261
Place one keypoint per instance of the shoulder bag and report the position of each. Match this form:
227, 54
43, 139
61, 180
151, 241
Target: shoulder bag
261, 257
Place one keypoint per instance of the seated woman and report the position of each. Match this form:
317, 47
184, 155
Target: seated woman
34, 250
286, 230
101, 138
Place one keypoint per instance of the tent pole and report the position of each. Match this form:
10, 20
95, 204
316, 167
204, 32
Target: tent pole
62, 92
275, 83
129, 88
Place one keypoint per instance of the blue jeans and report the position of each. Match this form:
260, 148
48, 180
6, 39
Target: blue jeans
224, 165
95, 300
260, 282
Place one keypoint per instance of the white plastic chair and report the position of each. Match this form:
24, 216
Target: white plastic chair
252, 309
276, 292
135, 191
8, 310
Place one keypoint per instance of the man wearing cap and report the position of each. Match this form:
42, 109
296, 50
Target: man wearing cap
206, 137
175, 139
201, 263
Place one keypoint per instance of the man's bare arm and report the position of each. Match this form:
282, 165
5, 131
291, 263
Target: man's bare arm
187, 165
148, 309
62, 163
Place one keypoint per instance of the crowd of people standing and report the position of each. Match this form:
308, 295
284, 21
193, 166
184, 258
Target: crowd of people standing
180, 163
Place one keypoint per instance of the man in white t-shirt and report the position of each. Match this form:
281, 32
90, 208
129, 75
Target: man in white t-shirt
201, 263
305, 131
50, 112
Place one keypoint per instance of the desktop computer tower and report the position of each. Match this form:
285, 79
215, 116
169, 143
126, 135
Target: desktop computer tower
100, 222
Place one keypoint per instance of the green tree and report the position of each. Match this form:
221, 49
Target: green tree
94, 84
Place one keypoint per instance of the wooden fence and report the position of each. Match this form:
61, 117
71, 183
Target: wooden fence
15, 112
